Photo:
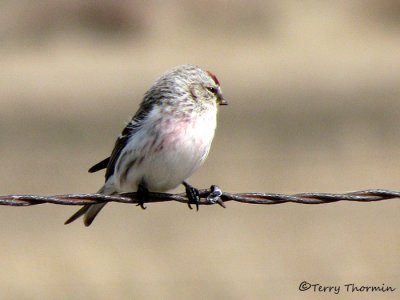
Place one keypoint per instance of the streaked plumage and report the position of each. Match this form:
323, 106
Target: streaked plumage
167, 139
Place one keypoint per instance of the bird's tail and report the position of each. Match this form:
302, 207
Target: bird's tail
90, 211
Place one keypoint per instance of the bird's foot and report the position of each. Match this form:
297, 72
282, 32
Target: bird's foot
143, 194
193, 195
215, 196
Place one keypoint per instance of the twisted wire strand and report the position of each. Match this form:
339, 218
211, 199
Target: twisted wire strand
370, 195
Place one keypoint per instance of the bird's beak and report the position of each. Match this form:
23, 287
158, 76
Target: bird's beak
221, 100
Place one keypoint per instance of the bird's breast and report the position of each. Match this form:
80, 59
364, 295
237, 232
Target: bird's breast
168, 151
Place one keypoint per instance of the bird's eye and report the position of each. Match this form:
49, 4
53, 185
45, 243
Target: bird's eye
212, 89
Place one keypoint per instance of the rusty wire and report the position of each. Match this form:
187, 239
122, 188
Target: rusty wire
370, 195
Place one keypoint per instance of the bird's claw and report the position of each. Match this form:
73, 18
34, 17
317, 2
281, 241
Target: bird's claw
215, 196
143, 194
193, 195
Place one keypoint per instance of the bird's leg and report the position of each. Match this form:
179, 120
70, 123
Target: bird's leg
193, 195
143, 194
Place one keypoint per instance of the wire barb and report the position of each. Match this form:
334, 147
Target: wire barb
371, 195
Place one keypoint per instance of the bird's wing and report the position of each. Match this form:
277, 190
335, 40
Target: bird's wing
131, 128
110, 161
120, 144
100, 165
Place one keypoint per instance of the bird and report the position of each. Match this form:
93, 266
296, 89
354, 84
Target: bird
165, 142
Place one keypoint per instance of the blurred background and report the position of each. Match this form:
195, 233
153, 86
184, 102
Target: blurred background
313, 90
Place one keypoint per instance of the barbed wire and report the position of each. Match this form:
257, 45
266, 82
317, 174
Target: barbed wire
207, 197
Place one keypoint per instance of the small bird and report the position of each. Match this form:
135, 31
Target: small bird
165, 142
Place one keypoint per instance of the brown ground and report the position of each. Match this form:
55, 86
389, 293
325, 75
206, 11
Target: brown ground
314, 94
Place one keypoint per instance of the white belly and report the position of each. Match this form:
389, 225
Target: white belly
179, 151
